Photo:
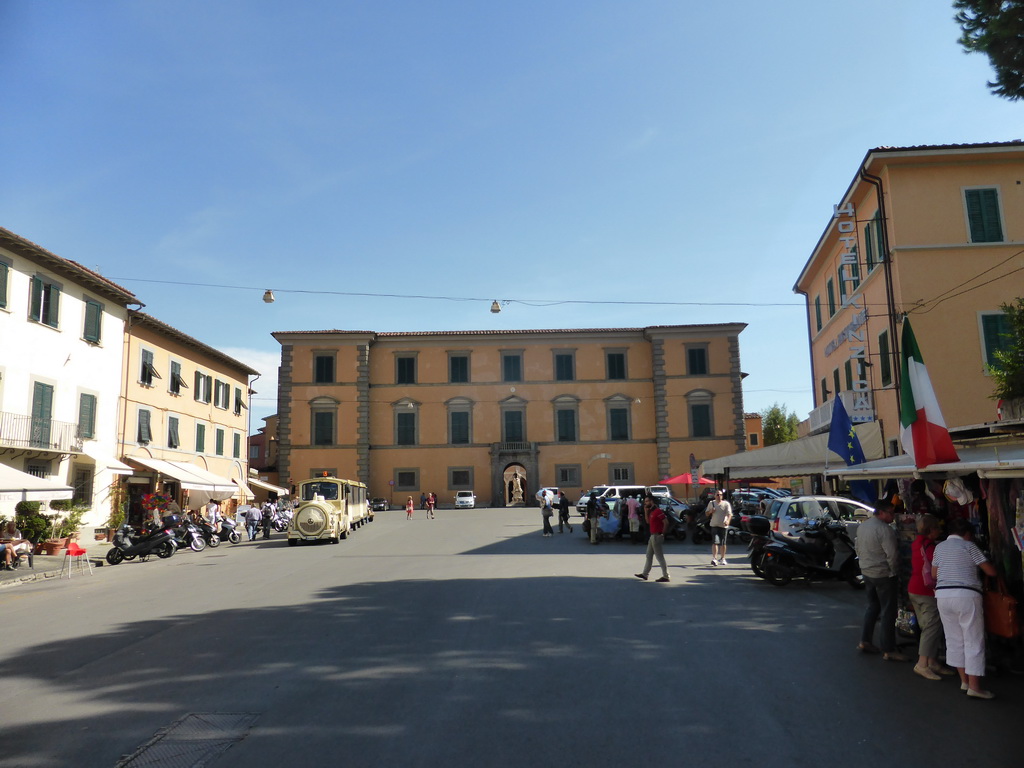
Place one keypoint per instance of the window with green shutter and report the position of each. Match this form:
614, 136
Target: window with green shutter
172, 432
700, 420
616, 364
831, 291
459, 427
618, 424
4, 270
884, 363
566, 421
995, 328
565, 370
817, 311
44, 302
42, 413
145, 432
842, 284
93, 321
983, 215
237, 447
200, 438
220, 442
848, 370
405, 428
869, 246
87, 416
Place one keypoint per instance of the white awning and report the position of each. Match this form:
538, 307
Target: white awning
20, 486
797, 458
269, 486
191, 477
987, 460
107, 462
244, 491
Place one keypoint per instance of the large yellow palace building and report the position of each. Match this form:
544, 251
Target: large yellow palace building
462, 410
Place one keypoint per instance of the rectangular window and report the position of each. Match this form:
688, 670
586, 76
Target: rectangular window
239, 402
172, 432
254, 452
93, 321
405, 371
618, 424
323, 369
566, 425
511, 367
86, 416
996, 335
512, 423
620, 474
458, 369
236, 448
221, 393
81, 482
567, 475
824, 390
44, 302
204, 387
219, 450
460, 478
848, 370
459, 427
817, 312
869, 245
407, 479
200, 438
830, 290
565, 366
616, 363
145, 432
884, 362
177, 383
983, 215
753, 439
700, 420
840, 275
147, 371
835, 381
4, 271
405, 428
323, 428
696, 361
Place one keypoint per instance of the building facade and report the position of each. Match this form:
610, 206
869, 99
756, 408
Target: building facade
61, 335
183, 425
440, 412
933, 234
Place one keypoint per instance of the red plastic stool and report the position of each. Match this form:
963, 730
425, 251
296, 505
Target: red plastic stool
75, 554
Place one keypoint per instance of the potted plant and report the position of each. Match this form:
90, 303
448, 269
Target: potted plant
33, 525
118, 509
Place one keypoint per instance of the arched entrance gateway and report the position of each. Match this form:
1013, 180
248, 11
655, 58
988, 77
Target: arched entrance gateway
514, 478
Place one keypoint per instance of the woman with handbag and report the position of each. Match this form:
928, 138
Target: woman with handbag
921, 590
959, 597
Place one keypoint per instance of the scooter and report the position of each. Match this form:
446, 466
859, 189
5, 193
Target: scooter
128, 545
761, 535
208, 533
824, 551
702, 531
187, 534
227, 531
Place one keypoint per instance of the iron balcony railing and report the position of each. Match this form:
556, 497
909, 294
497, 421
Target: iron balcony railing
20, 431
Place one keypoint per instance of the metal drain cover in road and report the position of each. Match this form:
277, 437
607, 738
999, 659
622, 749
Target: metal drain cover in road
193, 741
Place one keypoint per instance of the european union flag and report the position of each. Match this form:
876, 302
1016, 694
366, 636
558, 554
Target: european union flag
843, 440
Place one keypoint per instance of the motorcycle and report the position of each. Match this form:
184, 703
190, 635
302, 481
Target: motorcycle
187, 534
128, 544
208, 532
761, 535
702, 531
227, 531
824, 551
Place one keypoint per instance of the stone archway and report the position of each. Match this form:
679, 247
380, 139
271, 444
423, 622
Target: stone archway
514, 484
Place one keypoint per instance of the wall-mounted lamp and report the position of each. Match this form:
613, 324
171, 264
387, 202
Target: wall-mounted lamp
268, 296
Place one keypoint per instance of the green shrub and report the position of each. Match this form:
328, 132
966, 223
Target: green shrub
34, 527
27, 507
70, 523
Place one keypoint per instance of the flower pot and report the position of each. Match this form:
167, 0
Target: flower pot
100, 534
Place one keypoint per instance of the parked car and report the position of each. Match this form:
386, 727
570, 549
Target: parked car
789, 513
379, 505
658, 490
465, 500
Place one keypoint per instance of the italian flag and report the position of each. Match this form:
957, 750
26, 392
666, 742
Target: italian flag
923, 432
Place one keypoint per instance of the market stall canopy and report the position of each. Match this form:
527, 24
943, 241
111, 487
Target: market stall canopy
191, 477
797, 458
269, 487
18, 486
992, 461
687, 479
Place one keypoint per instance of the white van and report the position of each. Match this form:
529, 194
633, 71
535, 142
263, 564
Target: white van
616, 491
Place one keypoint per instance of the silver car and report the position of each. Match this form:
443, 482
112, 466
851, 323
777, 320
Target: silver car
788, 515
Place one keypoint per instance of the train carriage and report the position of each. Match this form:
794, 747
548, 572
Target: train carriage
329, 508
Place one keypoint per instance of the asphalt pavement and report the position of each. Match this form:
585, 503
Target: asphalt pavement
469, 639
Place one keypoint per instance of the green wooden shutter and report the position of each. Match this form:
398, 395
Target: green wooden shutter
35, 304
52, 308
172, 432
200, 438
983, 215
93, 316
87, 416
220, 442
237, 452
42, 413
885, 364
869, 246
145, 432
997, 333
3, 283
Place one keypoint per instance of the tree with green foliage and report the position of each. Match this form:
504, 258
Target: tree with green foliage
778, 425
1007, 370
996, 28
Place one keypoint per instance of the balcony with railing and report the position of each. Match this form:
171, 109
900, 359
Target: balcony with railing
858, 406
28, 433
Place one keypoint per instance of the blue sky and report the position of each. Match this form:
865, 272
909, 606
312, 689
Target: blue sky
532, 151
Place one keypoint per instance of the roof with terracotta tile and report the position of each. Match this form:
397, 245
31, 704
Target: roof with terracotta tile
162, 327
519, 332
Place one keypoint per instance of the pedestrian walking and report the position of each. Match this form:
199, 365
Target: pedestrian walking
546, 512
563, 513
408, 508
921, 590
268, 517
253, 516
878, 554
655, 517
720, 512
423, 500
958, 594
431, 503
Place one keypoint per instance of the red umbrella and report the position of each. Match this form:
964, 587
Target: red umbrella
687, 479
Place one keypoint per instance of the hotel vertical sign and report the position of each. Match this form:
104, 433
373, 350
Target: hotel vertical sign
854, 332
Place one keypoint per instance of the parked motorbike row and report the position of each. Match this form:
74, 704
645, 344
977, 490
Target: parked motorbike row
165, 538
822, 551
